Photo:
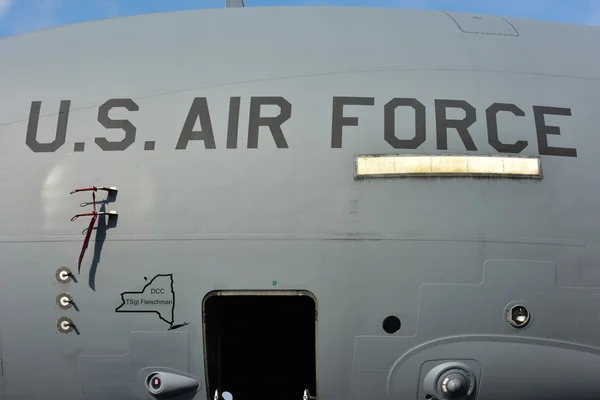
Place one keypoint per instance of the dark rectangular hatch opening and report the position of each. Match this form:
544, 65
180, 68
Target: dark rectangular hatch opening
260, 345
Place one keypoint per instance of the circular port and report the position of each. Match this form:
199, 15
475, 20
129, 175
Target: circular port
518, 316
455, 383
455, 386
391, 324
155, 383
64, 301
64, 325
63, 275
449, 381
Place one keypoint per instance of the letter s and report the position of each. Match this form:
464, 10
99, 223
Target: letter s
124, 124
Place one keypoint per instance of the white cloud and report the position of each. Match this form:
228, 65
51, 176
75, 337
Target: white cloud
4, 6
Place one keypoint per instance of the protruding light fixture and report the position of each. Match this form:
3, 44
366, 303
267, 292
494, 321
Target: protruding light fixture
402, 166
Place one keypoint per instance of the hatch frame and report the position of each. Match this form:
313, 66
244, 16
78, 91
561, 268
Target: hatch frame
259, 292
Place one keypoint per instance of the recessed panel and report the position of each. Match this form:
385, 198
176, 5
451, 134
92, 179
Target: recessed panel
482, 24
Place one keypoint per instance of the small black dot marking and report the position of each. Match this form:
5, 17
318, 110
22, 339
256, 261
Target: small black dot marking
79, 146
145, 278
391, 324
149, 145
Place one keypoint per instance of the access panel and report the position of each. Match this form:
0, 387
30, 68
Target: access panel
260, 345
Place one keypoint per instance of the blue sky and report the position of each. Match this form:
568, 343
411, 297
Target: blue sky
18, 16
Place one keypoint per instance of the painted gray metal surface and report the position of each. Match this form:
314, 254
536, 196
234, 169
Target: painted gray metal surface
444, 255
234, 3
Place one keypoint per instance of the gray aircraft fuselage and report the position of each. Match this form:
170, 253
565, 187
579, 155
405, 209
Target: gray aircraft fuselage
231, 137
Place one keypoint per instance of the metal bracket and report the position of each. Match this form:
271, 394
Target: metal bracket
94, 214
112, 214
111, 190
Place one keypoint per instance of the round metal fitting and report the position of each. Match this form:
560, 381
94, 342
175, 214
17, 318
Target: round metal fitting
64, 301
518, 316
64, 325
63, 275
